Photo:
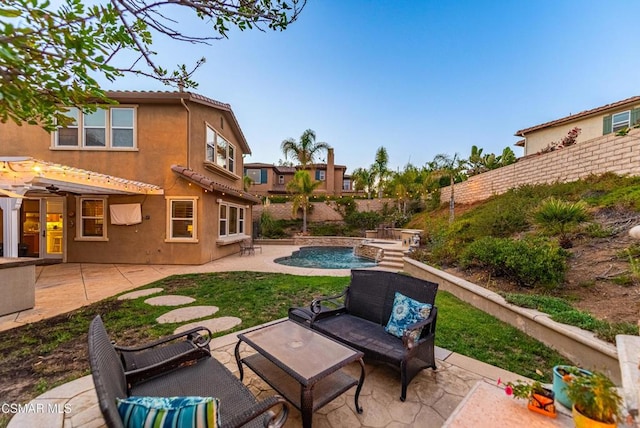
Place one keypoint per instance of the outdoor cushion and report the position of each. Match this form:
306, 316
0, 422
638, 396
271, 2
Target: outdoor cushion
168, 412
406, 311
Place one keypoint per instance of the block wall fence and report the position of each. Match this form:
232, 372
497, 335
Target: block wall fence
604, 154
321, 210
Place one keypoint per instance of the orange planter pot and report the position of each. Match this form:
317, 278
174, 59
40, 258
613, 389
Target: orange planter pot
543, 403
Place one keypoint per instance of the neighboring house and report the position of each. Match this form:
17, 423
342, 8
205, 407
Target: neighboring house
269, 179
593, 123
155, 179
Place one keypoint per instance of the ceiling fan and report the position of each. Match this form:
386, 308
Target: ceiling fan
52, 188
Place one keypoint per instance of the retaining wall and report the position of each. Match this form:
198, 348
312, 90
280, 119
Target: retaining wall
322, 211
604, 154
580, 346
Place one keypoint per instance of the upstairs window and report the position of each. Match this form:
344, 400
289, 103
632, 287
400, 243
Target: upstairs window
106, 128
219, 151
281, 179
257, 176
346, 184
620, 120
320, 174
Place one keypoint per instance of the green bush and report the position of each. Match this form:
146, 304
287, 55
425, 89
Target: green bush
558, 217
529, 261
365, 220
269, 227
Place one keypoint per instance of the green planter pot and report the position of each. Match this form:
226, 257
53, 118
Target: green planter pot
559, 384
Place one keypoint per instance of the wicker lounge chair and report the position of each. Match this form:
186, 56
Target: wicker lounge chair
358, 316
205, 377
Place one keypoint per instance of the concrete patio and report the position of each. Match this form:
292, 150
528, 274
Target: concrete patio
432, 396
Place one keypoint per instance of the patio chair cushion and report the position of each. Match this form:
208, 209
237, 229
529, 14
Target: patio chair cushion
169, 412
406, 311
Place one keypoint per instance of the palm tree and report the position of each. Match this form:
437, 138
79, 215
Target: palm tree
304, 151
246, 183
380, 169
450, 167
302, 187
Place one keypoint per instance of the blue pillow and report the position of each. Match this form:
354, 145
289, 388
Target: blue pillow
406, 311
169, 412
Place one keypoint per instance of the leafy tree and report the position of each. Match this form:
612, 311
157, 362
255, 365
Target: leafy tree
363, 180
304, 151
302, 187
51, 56
451, 168
246, 183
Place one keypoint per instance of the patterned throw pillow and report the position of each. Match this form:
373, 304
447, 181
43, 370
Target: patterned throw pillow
169, 412
406, 311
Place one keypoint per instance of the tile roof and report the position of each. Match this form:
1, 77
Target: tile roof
571, 118
189, 96
210, 185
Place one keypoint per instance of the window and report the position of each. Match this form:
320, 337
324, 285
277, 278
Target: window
621, 120
91, 218
281, 179
346, 184
231, 220
111, 128
255, 175
320, 174
182, 219
219, 151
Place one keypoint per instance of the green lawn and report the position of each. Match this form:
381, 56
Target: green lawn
42, 355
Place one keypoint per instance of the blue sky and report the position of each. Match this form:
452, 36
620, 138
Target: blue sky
418, 77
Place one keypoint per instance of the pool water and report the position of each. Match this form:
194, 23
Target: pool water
326, 258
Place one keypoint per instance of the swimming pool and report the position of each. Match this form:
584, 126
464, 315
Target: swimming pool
326, 258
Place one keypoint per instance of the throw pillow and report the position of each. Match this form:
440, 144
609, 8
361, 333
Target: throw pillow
406, 311
169, 412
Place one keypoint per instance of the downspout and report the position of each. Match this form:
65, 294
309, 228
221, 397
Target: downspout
188, 132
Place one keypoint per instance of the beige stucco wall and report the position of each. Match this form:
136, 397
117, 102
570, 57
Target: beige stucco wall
591, 127
604, 154
164, 138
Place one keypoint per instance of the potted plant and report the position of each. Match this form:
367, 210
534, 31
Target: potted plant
561, 376
539, 399
596, 402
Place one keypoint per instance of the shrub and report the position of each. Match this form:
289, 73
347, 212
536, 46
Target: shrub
363, 220
528, 261
558, 217
270, 228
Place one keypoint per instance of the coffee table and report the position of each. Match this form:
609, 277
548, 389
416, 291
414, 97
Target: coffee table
301, 364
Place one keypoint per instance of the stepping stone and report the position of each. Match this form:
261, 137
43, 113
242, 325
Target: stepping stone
139, 293
213, 324
170, 300
187, 314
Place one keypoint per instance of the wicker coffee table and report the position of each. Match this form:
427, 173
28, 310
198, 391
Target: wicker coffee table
301, 364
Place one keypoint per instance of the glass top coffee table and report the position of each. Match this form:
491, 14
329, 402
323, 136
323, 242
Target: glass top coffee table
301, 364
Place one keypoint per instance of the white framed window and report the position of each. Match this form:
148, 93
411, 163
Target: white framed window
321, 175
281, 179
346, 184
106, 128
92, 224
219, 151
231, 220
621, 120
182, 219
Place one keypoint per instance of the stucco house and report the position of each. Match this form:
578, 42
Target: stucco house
154, 179
269, 179
593, 123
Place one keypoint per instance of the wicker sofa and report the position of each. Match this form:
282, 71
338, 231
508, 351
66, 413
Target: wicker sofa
358, 317
203, 376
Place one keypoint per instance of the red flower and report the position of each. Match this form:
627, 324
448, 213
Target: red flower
508, 390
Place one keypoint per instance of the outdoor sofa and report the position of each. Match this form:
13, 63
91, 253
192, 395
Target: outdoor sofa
197, 375
358, 317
